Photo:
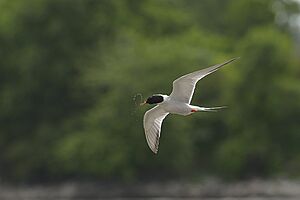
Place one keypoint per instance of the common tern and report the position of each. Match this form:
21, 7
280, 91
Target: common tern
178, 102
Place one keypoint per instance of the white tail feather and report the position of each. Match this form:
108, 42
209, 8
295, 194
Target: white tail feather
212, 109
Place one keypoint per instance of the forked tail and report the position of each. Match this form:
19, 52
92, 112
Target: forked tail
212, 109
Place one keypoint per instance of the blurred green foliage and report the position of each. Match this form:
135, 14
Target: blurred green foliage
70, 69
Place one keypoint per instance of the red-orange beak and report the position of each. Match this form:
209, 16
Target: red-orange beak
141, 104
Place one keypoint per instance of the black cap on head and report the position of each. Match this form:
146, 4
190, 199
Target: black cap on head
155, 99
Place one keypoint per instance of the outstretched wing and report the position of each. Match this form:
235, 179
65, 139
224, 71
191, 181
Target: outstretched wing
153, 119
184, 86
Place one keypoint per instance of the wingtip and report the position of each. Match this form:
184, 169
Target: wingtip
155, 151
233, 59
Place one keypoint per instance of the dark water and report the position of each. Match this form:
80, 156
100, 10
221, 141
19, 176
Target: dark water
194, 198
222, 198
209, 190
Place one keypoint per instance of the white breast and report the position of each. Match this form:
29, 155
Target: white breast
176, 107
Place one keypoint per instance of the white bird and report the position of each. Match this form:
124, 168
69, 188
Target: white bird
178, 102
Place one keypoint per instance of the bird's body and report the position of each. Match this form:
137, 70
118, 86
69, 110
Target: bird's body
173, 106
178, 102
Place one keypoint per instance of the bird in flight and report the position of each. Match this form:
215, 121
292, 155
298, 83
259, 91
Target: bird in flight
178, 102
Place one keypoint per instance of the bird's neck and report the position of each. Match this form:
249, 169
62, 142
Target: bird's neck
165, 97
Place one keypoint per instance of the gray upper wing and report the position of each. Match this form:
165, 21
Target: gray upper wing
184, 86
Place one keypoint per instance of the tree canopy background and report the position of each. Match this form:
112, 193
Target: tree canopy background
70, 69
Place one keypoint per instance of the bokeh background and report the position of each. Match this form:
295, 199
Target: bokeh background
70, 71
